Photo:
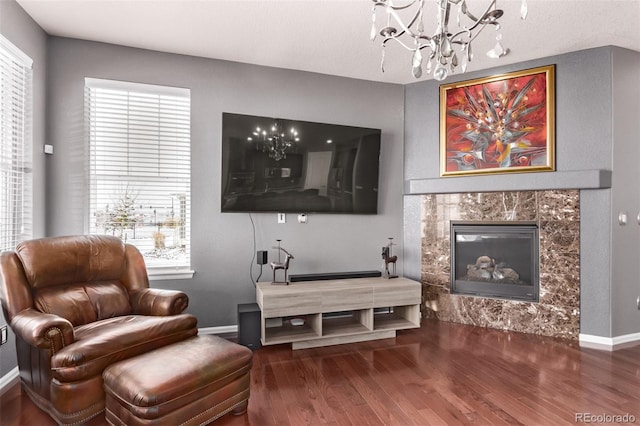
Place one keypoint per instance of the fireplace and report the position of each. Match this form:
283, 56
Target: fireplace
556, 310
495, 260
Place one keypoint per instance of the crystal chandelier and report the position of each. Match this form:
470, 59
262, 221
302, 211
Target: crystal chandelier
274, 141
441, 46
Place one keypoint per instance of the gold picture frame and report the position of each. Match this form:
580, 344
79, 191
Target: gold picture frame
498, 124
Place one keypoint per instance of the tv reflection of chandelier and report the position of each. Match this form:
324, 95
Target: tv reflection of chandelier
275, 141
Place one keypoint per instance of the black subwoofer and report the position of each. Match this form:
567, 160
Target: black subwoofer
249, 325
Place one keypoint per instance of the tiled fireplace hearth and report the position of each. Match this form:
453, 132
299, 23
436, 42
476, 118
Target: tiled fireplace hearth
556, 214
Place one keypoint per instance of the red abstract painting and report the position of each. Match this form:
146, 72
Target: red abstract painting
498, 124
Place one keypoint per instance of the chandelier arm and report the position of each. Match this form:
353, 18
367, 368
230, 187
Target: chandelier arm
385, 4
479, 22
405, 28
400, 42
418, 37
415, 17
474, 26
469, 31
473, 18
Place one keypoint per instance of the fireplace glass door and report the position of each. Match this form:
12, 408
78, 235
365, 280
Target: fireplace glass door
495, 260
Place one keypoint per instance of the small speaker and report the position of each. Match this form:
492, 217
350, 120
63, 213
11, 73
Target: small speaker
249, 325
261, 257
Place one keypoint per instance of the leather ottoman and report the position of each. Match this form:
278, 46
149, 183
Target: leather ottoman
192, 382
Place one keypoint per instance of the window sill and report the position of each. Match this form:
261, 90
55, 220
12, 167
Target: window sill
170, 274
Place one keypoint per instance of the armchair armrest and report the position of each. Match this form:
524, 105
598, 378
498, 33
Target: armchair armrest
153, 301
44, 331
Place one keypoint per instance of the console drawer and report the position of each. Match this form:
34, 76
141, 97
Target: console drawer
397, 295
347, 299
291, 303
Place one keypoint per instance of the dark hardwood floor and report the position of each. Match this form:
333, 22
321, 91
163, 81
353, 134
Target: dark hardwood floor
440, 374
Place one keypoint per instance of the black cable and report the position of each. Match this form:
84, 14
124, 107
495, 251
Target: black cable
258, 279
253, 257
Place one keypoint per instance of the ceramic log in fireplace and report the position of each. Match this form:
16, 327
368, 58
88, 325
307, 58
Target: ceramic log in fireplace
495, 260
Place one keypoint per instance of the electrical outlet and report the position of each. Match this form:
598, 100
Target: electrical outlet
638, 302
3, 333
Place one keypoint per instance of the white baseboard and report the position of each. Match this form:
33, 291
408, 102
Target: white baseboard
609, 343
219, 330
9, 379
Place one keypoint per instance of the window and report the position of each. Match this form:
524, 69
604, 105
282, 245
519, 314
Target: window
139, 170
15, 145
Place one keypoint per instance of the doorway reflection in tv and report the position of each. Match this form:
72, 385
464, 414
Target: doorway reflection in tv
291, 166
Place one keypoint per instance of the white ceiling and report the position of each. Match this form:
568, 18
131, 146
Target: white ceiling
327, 36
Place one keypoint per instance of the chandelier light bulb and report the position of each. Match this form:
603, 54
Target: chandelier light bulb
410, 33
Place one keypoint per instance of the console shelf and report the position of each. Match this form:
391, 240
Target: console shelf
343, 326
289, 333
353, 300
392, 322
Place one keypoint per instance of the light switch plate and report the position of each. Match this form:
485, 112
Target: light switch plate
282, 218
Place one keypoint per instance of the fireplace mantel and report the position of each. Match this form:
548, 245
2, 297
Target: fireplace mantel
579, 179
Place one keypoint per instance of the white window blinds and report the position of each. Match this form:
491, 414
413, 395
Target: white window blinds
140, 169
15, 145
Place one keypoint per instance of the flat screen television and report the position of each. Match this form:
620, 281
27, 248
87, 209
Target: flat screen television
290, 166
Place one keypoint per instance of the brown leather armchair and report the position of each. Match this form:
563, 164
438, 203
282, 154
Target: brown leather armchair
77, 305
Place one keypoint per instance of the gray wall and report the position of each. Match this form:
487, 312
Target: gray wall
222, 244
22, 31
584, 141
625, 286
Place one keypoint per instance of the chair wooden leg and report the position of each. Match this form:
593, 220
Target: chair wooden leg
240, 409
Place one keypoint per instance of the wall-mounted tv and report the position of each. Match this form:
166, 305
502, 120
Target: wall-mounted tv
292, 166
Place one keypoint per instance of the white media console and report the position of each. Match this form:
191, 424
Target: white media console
337, 311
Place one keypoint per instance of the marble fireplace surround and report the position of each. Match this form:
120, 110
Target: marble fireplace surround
557, 214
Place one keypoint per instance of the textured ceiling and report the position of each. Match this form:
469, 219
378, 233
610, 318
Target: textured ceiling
327, 36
